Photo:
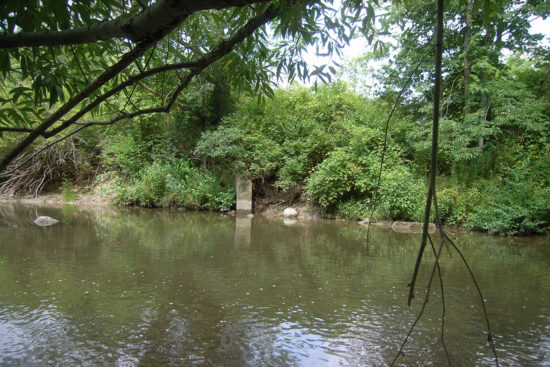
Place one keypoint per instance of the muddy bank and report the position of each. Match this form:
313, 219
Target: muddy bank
56, 199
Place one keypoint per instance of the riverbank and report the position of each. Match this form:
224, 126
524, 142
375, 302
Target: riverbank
304, 211
58, 199
88, 199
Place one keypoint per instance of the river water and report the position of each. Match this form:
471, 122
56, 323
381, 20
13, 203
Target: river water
128, 287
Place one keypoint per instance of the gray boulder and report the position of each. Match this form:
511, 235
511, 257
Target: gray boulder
44, 221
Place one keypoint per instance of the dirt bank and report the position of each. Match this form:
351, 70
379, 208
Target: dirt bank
56, 199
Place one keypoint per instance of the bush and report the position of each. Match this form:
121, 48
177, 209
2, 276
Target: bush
201, 189
150, 188
457, 202
291, 135
125, 153
354, 209
514, 208
176, 183
402, 194
333, 179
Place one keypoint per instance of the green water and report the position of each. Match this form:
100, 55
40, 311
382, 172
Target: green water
124, 287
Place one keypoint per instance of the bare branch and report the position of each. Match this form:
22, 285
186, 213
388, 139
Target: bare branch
435, 136
155, 93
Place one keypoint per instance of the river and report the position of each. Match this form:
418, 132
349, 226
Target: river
128, 287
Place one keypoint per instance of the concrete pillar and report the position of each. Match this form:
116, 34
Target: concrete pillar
244, 194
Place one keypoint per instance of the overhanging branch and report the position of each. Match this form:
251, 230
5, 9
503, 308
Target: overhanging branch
195, 67
222, 49
107, 75
158, 18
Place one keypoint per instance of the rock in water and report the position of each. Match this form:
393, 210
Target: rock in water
290, 213
411, 227
44, 221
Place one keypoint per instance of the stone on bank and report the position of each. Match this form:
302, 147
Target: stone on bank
290, 213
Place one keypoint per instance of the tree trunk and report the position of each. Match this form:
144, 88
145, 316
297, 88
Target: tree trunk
467, 37
484, 94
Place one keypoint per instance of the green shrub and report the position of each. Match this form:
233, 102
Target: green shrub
125, 153
354, 209
402, 194
151, 187
513, 208
292, 134
176, 183
200, 189
333, 179
67, 193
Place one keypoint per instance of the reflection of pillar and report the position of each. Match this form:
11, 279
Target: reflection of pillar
243, 225
244, 194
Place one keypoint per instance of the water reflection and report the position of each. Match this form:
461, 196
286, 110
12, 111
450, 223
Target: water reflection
130, 287
243, 227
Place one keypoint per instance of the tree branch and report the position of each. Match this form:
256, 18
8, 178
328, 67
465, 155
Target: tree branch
123, 116
435, 135
16, 129
155, 93
196, 67
157, 19
107, 75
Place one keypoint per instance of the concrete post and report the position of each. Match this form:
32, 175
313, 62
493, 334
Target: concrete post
244, 194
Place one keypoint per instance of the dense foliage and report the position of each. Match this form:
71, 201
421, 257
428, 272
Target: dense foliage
188, 117
328, 142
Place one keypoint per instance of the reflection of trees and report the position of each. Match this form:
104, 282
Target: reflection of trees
169, 287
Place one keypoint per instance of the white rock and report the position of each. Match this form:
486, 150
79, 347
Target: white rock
250, 215
44, 221
290, 213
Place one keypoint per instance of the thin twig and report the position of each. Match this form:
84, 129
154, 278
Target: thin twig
426, 299
486, 316
385, 145
443, 309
